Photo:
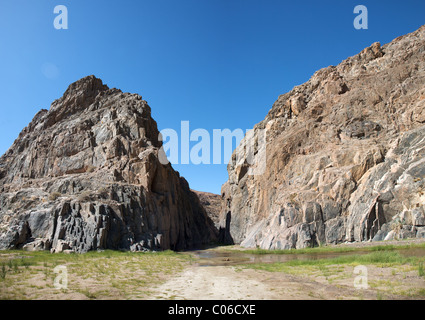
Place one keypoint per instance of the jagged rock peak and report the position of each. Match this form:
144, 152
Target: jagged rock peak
86, 85
80, 95
87, 175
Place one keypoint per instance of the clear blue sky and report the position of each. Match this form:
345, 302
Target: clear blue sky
216, 63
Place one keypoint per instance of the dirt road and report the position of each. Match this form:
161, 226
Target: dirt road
218, 278
229, 283
218, 283
232, 283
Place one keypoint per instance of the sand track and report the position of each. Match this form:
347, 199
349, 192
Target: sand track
224, 277
230, 283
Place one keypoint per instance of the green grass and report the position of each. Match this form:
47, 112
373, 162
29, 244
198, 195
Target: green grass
341, 249
421, 272
313, 261
336, 270
380, 258
3, 271
94, 275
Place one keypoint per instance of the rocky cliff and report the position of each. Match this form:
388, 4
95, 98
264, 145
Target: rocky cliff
344, 156
212, 205
86, 175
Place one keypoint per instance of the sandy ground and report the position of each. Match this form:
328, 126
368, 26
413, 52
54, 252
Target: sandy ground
212, 274
218, 283
224, 282
229, 283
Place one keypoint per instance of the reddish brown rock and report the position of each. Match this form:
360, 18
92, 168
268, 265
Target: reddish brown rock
344, 156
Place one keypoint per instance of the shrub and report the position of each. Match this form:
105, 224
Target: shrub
3, 271
90, 169
421, 271
103, 192
85, 196
54, 195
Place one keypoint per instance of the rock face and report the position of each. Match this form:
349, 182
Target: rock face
86, 175
212, 205
344, 157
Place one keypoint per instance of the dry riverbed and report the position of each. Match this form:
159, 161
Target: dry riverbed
220, 273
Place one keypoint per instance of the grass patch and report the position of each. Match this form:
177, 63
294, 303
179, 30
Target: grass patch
391, 272
421, 269
377, 258
94, 275
54, 195
341, 249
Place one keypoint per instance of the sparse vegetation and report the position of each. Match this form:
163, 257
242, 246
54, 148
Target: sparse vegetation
84, 196
103, 192
3, 271
54, 195
125, 275
90, 168
381, 258
340, 249
396, 226
390, 268
94, 275
292, 197
421, 269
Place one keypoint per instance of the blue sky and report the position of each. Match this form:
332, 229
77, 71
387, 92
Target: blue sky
216, 63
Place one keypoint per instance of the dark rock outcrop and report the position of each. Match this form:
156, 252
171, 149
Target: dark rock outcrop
344, 156
212, 205
86, 175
